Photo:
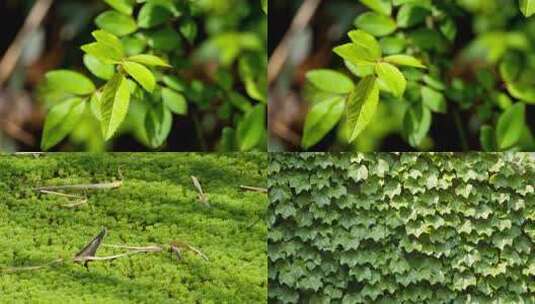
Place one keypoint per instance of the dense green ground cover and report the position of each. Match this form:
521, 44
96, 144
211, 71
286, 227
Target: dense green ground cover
156, 204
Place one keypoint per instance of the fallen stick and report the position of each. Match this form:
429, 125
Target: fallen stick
30, 268
202, 196
77, 204
82, 187
253, 189
60, 194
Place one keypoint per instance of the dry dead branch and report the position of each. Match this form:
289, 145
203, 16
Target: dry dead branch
82, 187
201, 196
253, 189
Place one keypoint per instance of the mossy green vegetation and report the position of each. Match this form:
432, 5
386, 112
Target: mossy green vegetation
156, 204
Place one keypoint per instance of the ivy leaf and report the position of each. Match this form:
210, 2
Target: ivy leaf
510, 126
405, 60
61, 120
141, 74
188, 28
321, 119
376, 24
251, 129
361, 106
175, 101
114, 103
69, 82
150, 60
381, 6
392, 78
527, 7
123, 6
116, 23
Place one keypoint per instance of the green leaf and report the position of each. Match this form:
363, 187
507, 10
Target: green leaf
404, 60
188, 28
265, 6
354, 54
376, 24
101, 52
434, 100
361, 106
527, 7
416, 124
392, 78
123, 6
367, 43
149, 60
381, 6
510, 126
153, 14
330, 81
141, 74
410, 15
116, 23
69, 82
175, 83
251, 129
166, 40
488, 139
114, 104
110, 41
510, 67
158, 125
175, 101
321, 119
61, 120
98, 68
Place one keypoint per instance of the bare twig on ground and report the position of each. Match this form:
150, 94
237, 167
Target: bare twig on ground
77, 204
60, 194
87, 254
82, 187
253, 189
300, 21
12, 55
202, 196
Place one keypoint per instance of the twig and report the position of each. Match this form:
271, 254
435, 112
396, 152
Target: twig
202, 196
113, 257
82, 187
34, 19
30, 268
75, 205
254, 223
60, 194
301, 19
198, 252
253, 189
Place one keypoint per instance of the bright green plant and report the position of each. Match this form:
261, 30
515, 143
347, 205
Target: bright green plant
412, 55
401, 228
144, 62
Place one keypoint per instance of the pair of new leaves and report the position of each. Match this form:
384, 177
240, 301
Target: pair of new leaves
333, 94
107, 60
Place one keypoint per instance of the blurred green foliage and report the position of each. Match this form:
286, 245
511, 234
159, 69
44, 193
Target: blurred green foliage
156, 205
467, 63
157, 58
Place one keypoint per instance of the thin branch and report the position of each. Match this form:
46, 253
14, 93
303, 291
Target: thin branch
12, 55
60, 194
198, 252
31, 268
77, 204
300, 21
253, 189
113, 257
202, 196
82, 187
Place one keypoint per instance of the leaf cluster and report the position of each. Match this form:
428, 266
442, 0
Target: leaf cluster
401, 228
412, 55
145, 61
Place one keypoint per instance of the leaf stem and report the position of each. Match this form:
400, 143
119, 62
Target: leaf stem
460, 130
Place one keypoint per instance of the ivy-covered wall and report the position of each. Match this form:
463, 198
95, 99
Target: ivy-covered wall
402, 228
